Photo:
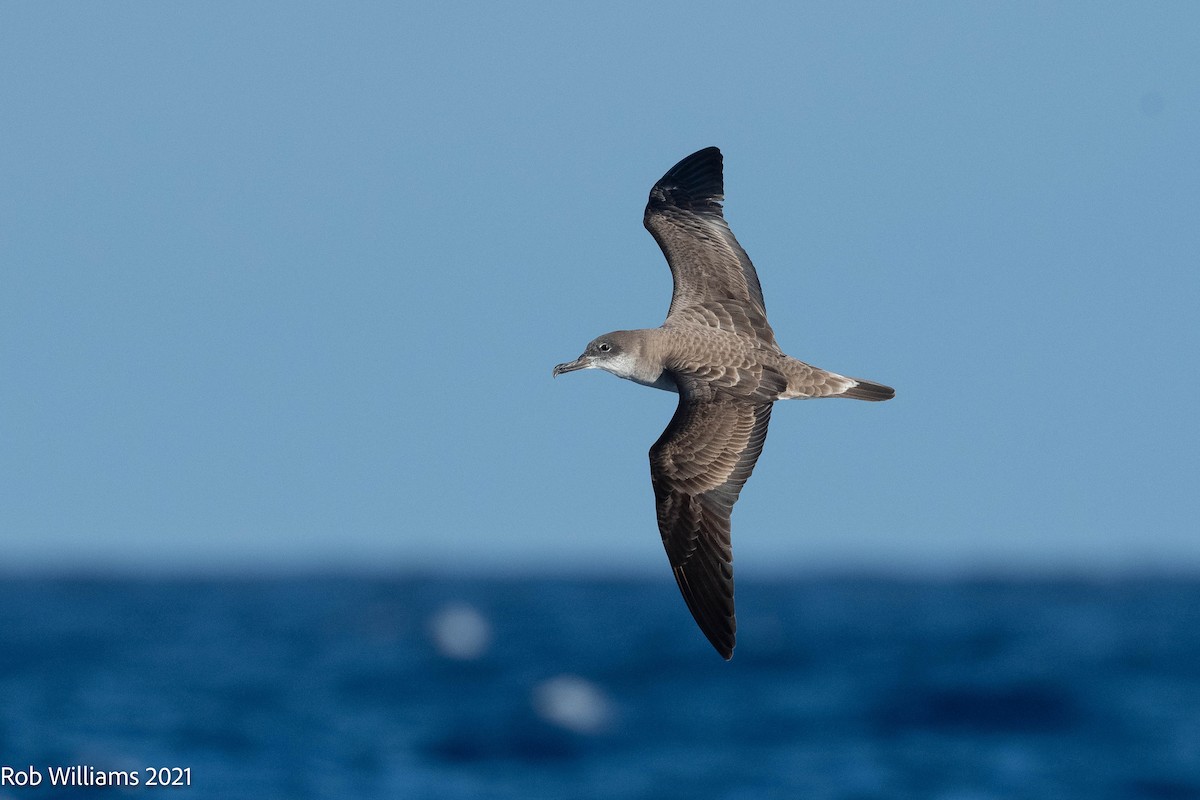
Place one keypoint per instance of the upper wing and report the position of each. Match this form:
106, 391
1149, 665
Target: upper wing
715, 283
698, 467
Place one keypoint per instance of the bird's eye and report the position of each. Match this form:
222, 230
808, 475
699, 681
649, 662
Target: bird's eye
604, 347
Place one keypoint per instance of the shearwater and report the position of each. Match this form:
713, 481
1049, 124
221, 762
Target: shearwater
717, 351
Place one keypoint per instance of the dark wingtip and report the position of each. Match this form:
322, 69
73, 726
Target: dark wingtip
725, 648
712, 608
869, 390
695, 183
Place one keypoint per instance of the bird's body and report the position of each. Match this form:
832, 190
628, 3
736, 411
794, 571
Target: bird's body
717, 351
737, 365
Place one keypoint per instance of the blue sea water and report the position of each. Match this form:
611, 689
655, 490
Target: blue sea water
527, 688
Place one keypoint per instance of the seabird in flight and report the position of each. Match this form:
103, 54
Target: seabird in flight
717, 351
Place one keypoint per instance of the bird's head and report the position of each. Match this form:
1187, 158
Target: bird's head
614, 352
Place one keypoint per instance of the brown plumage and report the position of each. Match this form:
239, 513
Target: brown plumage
717, 350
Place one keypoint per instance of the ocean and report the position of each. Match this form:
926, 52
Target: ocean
526, 688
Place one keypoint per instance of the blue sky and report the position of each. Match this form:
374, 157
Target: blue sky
283, 283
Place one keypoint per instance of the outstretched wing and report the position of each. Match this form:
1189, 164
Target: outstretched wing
698, 467
715, 283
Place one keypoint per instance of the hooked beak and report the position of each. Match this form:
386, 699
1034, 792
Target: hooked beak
583, 362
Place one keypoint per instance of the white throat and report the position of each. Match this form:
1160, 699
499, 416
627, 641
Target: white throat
631, 369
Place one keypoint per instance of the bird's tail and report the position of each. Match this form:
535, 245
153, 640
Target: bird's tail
868, 390
805, 380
